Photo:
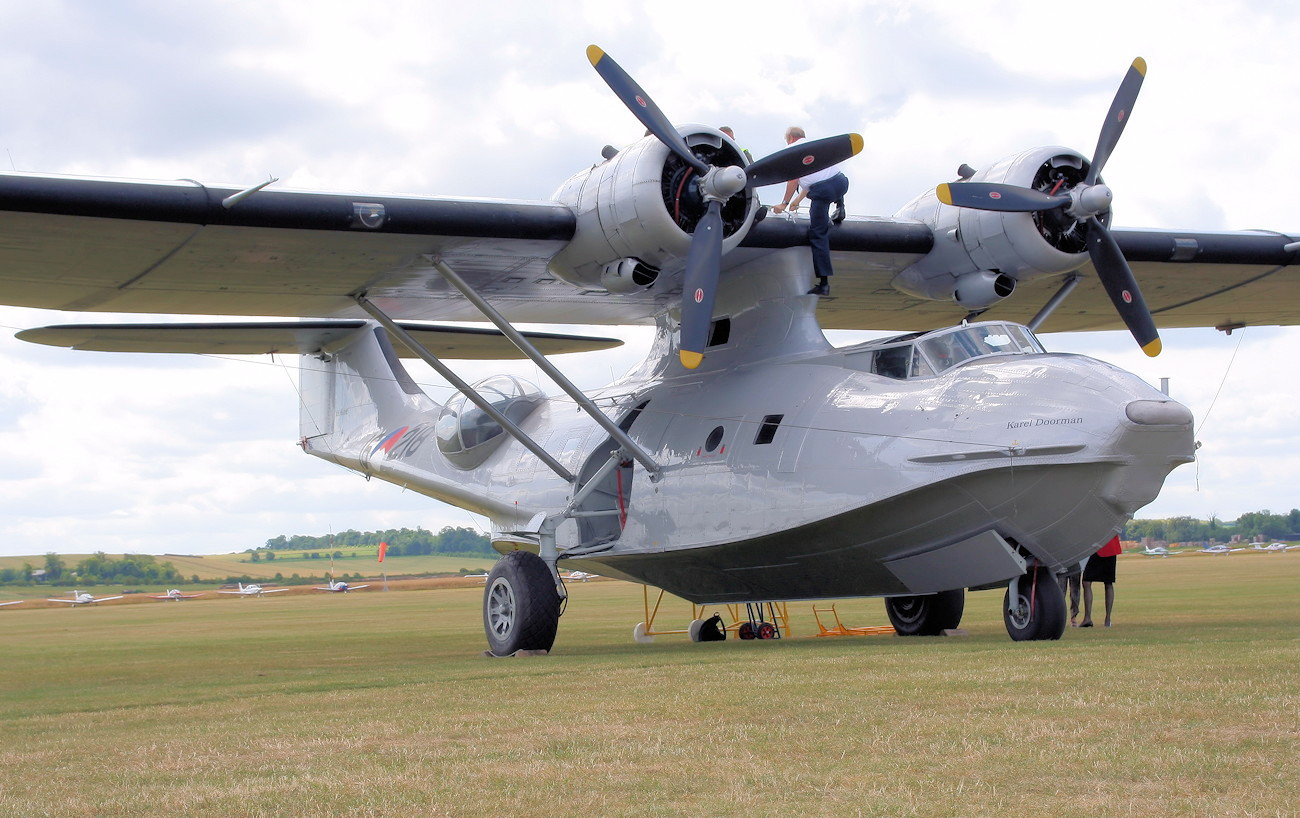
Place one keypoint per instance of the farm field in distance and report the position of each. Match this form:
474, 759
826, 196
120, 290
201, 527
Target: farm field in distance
382, 703
220, 566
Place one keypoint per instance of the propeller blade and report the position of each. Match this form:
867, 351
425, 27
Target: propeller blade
1116, 118
803, 159
644, 108
700, 285
993, 196
1122, 287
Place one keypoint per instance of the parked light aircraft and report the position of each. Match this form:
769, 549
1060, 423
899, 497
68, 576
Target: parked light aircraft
253, 590
1217, 549
175, 594
1158, 551
15, 602
1274, 547
340, 587
746, 459
82, 598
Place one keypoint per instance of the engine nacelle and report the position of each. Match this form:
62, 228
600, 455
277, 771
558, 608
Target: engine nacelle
642, 204
978, 251
983, 289
628, 275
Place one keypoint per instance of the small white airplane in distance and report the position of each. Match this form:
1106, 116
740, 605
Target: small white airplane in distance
253, 590
175, 594
1157, 551
1217, 549
578, 576
1276, 546
79, 598
340, 587
15, 602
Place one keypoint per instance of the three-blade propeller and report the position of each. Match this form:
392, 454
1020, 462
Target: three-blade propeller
716, 186
1084, 203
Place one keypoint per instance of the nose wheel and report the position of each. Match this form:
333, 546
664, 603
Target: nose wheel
1034, 607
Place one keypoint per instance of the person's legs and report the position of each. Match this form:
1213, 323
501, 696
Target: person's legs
820, 198
819, 227
1087, 605
1075, 580
1110, 600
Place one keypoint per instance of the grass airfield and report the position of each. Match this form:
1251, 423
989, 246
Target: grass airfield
376, 703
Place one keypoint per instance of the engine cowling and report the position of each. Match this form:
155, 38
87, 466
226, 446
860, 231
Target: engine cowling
980, 255
640, 207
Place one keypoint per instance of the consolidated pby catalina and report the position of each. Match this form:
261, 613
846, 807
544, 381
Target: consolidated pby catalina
746, 459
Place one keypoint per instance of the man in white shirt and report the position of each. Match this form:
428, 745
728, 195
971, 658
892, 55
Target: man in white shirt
822, 188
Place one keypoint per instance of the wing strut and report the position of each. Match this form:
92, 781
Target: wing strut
629, 445
1071, 281
469, 392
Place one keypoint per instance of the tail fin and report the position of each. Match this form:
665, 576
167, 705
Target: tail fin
353, 391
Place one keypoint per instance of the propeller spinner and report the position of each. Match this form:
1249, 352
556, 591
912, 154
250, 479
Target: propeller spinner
1084, 203
716, 186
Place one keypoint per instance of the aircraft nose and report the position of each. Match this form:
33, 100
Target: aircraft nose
1158, 413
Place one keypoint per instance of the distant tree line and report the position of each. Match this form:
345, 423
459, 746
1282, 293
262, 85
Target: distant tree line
402, 542
1190, 529
97, 569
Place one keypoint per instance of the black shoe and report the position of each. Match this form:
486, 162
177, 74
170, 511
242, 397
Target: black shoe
760, 214
839, 214
820, 289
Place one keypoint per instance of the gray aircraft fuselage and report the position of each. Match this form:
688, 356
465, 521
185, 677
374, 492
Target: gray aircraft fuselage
790, 469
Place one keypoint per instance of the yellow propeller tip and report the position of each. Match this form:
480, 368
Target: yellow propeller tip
1153, 348
856, 141
689, 359
1140, 65
944, 193
594, 53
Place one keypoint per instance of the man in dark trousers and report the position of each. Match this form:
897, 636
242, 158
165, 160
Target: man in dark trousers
822, 188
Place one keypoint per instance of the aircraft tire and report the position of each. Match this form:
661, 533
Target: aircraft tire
927, 614
693, 630
521, 610
1045, 617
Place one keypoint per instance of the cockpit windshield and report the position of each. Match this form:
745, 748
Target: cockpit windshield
918, 356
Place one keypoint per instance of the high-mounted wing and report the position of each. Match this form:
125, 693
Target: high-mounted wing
124, 246
1189, 279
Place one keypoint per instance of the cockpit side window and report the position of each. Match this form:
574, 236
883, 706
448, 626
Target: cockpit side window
892, 362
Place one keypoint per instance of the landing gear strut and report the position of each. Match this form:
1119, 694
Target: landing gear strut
1034, 607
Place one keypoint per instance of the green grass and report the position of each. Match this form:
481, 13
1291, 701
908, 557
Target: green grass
382, 704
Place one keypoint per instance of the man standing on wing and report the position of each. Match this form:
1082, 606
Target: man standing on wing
822, 188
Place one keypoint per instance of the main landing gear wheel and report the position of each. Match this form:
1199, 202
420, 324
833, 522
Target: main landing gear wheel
926, 615
521, 609
1037, 611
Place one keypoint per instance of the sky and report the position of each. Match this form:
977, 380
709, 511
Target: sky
192, 455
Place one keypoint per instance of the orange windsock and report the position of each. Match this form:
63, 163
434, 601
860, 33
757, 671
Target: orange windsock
383, 549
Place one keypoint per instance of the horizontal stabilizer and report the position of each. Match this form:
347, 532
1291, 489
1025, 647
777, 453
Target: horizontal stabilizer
297, 338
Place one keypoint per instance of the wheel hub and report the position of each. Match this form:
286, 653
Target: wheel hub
501, 608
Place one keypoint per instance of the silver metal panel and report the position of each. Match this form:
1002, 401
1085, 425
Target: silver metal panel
977, 560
